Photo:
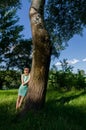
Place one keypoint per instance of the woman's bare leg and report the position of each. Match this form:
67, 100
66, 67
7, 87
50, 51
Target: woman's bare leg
18, 101
21, 100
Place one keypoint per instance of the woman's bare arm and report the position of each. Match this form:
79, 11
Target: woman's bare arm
22, 81
27, 80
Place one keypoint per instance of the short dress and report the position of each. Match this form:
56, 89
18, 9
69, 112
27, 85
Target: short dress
24, 88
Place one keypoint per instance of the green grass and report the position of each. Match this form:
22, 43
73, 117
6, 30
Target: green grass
63, 111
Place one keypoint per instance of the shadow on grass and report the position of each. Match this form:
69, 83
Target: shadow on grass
66, 99
65, 117
55, 116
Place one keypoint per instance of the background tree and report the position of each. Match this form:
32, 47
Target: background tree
14, 50
9, 33
80, 76
65, 66
21, 55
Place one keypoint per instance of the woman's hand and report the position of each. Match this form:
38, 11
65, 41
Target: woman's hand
23, 83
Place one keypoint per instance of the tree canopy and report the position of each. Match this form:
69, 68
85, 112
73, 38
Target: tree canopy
64, 19
14, 49
11, 3
21, 55
9, 32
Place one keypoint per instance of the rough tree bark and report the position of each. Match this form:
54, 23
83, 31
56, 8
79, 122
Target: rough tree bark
41, 58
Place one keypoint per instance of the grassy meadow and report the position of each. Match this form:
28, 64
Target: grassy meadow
62, 111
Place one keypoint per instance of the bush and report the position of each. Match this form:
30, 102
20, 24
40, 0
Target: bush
67, 80
9, 79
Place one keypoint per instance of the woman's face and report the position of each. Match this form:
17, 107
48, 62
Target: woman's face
26, 70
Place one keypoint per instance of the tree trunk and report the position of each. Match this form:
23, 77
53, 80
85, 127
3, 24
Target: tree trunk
41, 58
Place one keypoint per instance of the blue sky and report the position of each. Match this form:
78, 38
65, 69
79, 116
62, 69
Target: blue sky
75, 52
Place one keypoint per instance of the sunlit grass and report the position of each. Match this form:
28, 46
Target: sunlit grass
62, 111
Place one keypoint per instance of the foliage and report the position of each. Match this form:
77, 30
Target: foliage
9, 79
81, 83
66, 80
65, 66
63, 111
14, 50
11, 3
20, 56
9, 32
64, 19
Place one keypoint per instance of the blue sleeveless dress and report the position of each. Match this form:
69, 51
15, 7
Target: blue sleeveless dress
24, 88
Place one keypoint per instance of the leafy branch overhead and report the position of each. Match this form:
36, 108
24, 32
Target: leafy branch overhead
11, 3
64, 19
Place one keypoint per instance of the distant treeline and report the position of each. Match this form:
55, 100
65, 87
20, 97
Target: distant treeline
67, 79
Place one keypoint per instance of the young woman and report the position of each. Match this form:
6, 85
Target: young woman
25, 78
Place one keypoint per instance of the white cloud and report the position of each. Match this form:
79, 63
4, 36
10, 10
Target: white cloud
73, 61
58, 64
84, 59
